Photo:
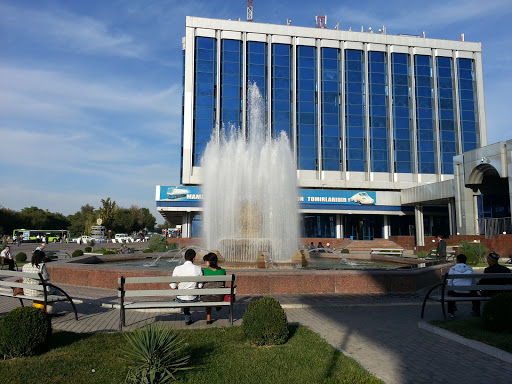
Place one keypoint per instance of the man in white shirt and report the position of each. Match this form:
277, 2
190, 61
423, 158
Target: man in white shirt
7, 258
187, 269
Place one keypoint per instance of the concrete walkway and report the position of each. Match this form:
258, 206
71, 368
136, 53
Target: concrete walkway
379, 331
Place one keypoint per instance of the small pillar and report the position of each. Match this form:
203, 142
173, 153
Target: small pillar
260, 260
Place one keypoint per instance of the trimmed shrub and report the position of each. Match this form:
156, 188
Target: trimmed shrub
77, 253
24, 331
473, 258
173, 245
265, 322
497, 313
21, 257
345, 250
158, 243
423, 254
147, 250
154, 355
109, 252
88, 249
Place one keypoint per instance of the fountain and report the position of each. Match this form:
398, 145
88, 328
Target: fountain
250, 192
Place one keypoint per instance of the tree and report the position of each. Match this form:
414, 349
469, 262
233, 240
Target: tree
106, 212
81, 221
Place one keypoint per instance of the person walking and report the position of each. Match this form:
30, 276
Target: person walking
441, 248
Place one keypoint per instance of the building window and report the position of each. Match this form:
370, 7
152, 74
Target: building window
231, 85
446, 113
205, 65
319, 226
331, 124
257, 68
402, 129
307, 148
468, 110
377, 74
355, 110
281, 90
424, 114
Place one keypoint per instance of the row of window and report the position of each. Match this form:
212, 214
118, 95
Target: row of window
354, 88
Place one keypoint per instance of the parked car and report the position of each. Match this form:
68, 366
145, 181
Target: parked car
83, 239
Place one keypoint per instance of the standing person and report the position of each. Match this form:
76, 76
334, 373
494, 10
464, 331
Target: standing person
6, 255
441, 248
20, 239
187, 269
461, 269
212, 269
494, 267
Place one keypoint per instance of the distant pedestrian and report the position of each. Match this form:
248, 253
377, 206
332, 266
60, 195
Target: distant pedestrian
441, 248
20, 239
7, 258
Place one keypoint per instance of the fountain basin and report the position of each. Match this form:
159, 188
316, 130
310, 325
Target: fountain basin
262, 282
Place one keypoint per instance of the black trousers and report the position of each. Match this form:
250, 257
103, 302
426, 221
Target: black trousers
10, 263
475, 303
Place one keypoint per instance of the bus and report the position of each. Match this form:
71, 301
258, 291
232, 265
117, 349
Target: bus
30, 235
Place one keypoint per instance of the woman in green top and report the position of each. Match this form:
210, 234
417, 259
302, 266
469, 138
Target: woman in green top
212, 269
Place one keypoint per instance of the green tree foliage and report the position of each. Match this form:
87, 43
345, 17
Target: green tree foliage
106, 212
31, 218
81, 221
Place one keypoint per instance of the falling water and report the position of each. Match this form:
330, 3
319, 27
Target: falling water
250, 191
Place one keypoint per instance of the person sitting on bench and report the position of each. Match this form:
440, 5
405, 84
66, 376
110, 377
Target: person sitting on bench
461, 269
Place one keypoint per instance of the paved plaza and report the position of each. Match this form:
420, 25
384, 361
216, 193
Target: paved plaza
379, 331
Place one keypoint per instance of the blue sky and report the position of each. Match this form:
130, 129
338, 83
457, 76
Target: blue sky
90, 91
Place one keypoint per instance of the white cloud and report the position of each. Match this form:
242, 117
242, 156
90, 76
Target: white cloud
403, 17
64, 30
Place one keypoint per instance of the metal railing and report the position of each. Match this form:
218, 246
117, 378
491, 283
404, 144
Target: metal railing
495, 226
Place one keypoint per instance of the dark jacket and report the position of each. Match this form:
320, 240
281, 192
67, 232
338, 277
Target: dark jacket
441, 248
495, 268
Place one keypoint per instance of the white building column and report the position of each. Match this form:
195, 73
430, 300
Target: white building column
186, 225
339, 226
451, 217
386, 230
418, 219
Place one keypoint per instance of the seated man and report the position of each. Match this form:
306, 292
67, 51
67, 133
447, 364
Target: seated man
494, 267
7, 258
187, 269
461, 269
124, 249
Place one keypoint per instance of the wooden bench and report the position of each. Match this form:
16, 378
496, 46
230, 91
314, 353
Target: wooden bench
439, 292
152, 293
450, 254
387, 251
7, 283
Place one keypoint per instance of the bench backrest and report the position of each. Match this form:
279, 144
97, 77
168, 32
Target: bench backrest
498, 281
124, 281
21, 275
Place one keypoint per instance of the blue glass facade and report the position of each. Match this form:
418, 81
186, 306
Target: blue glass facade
366, 142
331, 118
446, 113
257, 68
281, 90
231, 84
307, 149
425, 114
204, 100
401, 103
355, 110
379, 153
467, 100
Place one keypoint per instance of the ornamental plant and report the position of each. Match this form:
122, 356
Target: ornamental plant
497, 313
21, 257
154, 355
265, 322
77, 253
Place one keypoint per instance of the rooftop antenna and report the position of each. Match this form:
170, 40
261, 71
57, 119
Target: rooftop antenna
288, 21
461, 37
423, 34
337, 26
249, 10
321, 21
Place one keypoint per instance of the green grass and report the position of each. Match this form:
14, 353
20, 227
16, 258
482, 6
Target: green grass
472, 328
218, 355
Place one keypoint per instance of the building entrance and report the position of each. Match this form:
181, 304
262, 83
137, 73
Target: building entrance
363, 227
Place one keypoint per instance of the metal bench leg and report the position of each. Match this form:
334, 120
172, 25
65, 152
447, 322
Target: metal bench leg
21, 302
444, 310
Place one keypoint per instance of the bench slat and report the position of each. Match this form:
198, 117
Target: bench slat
175, 292
174, 304
174, 279
481, 275
17, 274
35, 287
